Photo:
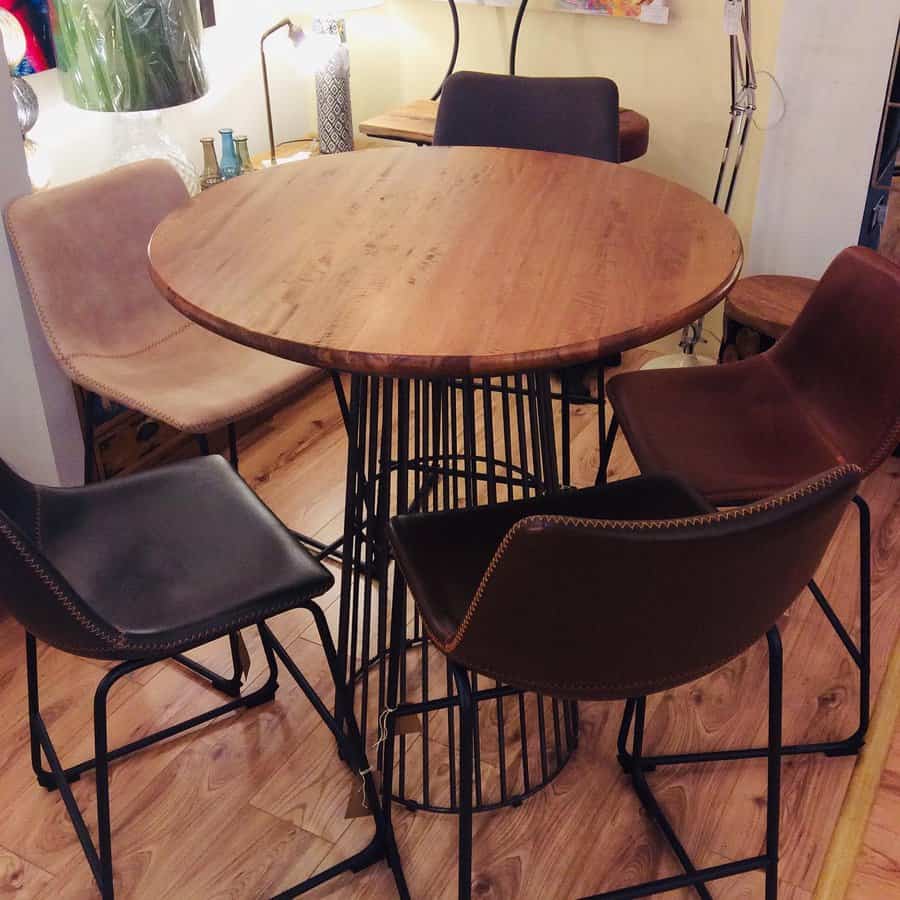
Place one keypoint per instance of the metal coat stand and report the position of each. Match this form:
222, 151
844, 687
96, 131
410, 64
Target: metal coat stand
743, 109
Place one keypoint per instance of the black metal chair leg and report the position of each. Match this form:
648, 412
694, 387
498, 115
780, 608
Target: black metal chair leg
466, 765
231, 687
88, 435
865, 613
101, 769
383, 846
606, 448
232, 445
773, 789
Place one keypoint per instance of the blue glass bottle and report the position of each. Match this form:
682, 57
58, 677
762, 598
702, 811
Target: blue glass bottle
230, 164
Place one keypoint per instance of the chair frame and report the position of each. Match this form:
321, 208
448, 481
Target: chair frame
345, 732
634, 763
860, 654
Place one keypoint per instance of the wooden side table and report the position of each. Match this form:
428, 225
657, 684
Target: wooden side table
414, 124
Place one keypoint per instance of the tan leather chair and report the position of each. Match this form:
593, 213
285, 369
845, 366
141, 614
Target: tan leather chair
83, 249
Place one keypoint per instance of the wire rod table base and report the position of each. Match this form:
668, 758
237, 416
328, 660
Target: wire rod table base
420, 445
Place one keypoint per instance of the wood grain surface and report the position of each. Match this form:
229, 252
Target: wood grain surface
246, 806
415, 123
446, 261
769, 303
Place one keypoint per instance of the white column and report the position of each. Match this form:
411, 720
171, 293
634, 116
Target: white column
39, 429
833, 63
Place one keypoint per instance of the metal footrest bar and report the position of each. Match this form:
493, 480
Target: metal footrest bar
228, 686
676, 882
369, 856
73, 773
324, 551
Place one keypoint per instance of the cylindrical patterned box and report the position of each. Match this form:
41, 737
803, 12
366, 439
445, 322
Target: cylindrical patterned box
333, 91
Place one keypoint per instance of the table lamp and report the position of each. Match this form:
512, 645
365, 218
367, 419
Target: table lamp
324, 52
27, 108
134, 57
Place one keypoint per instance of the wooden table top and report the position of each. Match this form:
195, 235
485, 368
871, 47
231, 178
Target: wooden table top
414, 123
445, 261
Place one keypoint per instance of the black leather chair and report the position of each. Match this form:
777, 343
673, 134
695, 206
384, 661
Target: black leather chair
575, 116
141, 569
573, 596
578, 116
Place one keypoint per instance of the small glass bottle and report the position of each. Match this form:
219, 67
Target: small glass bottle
211, 174
231, 164
243, 152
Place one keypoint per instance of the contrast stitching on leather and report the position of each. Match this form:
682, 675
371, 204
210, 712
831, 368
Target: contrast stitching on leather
248, 617
38, 535
638, 525
626, 687
892, 438
113, 640
151, 346
106, 390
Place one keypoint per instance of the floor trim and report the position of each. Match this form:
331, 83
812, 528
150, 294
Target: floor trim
846, 841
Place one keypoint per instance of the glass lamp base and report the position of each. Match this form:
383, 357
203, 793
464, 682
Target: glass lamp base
140, 136
679, 361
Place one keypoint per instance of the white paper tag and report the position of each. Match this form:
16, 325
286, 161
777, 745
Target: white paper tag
656, 13
734, 10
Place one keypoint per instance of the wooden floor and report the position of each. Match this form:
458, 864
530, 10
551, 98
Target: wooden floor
250, 805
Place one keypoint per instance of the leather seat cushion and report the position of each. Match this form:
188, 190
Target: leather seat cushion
176, 556
193, 380
736, 433
444, 555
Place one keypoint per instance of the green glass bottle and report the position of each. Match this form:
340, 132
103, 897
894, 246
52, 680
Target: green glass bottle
243, 152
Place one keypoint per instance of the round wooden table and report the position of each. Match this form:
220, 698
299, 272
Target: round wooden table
448, 282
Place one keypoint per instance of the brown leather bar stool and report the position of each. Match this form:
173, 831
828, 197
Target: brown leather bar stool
592, 595
759, 310
139, 569
83, 250
577, 116
827, 393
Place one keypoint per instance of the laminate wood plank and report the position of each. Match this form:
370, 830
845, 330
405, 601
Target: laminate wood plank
439, 230
185, 815
19, 878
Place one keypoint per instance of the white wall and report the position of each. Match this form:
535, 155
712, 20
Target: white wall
833, 63
39, 431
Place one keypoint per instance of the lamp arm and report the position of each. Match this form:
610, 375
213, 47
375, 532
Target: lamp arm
284, 23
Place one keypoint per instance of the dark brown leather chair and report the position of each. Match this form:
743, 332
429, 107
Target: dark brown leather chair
576, 116
827, 393
140, 569
629, 616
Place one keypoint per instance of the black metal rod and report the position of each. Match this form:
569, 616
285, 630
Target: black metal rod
454, 53
676, 882
514, 43
773, 789
467, 716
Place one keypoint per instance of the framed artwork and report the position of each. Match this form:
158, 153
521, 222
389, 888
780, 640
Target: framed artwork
653, 11
34, 17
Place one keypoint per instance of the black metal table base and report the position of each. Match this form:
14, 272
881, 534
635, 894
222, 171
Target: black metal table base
418, 445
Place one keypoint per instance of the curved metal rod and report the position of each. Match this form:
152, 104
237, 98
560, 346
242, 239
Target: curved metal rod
454, 12
514, 45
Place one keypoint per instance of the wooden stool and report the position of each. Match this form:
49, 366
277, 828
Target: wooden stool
758, 311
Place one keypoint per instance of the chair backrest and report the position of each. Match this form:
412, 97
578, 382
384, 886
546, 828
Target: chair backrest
578, 116
599, 609
32, 589
842, 357
83, 249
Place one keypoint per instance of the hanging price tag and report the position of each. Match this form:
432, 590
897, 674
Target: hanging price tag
734, 10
